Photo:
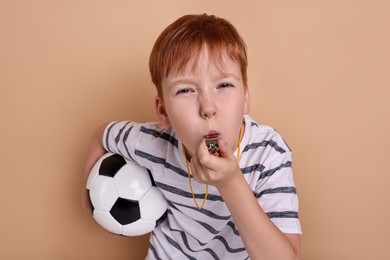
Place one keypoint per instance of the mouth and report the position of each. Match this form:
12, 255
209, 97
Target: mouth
212, 134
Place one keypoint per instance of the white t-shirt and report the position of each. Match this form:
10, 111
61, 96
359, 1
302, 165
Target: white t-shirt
209, 233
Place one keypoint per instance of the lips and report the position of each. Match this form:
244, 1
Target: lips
211, 135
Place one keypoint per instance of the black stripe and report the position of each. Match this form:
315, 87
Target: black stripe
228, 248
220, 238
175, 190
125, 136
203, 211
210, 251
187, 194
117, 138
176, 245
269, 173
158, 134
161, 161
282, 214
265, 143
185, 241
214, 231
253, 168
153, 250
107, 136
208, 227
233, 226
209, 214
277, 190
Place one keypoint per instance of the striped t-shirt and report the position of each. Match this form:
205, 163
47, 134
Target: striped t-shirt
209, 233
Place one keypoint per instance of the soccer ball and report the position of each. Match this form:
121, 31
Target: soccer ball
124, 199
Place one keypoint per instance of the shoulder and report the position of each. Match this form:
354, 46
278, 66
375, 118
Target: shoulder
260, 135
136, 134
152, 131
147, 128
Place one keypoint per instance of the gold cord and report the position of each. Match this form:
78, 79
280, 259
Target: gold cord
207, 186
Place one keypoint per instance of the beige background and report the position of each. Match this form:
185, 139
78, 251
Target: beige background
318, 71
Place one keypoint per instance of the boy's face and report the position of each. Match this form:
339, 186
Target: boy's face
206, 100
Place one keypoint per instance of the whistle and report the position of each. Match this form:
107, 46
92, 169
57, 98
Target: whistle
212, 144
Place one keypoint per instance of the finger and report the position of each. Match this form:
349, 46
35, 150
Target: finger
202, 149
203, 157
225, 149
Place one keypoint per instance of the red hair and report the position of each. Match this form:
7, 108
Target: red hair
185, 38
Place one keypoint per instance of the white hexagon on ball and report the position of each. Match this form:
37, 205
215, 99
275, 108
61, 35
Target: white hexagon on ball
132, 181
103, 193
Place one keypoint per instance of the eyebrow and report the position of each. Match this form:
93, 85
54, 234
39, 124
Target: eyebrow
224, 75
219, 76
182, 81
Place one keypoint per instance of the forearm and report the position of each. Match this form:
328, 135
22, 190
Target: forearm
262, 239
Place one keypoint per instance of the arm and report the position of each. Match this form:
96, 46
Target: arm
95, 151
262, 239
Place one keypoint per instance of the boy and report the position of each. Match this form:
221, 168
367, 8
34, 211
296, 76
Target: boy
232, 198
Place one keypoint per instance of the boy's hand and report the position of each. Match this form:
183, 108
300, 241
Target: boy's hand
214, 170
85, 202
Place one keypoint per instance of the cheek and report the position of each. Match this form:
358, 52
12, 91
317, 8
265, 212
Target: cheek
232, 109
180, 119
180, 115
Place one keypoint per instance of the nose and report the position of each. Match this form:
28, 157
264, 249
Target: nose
207, 106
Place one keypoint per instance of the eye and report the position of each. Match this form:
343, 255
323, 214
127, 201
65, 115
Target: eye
225, 85
184, 91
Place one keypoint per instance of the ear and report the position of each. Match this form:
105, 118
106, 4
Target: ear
247, 102
161, 113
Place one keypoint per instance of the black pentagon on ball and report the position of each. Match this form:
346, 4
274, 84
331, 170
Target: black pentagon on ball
125, 211
111, 165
